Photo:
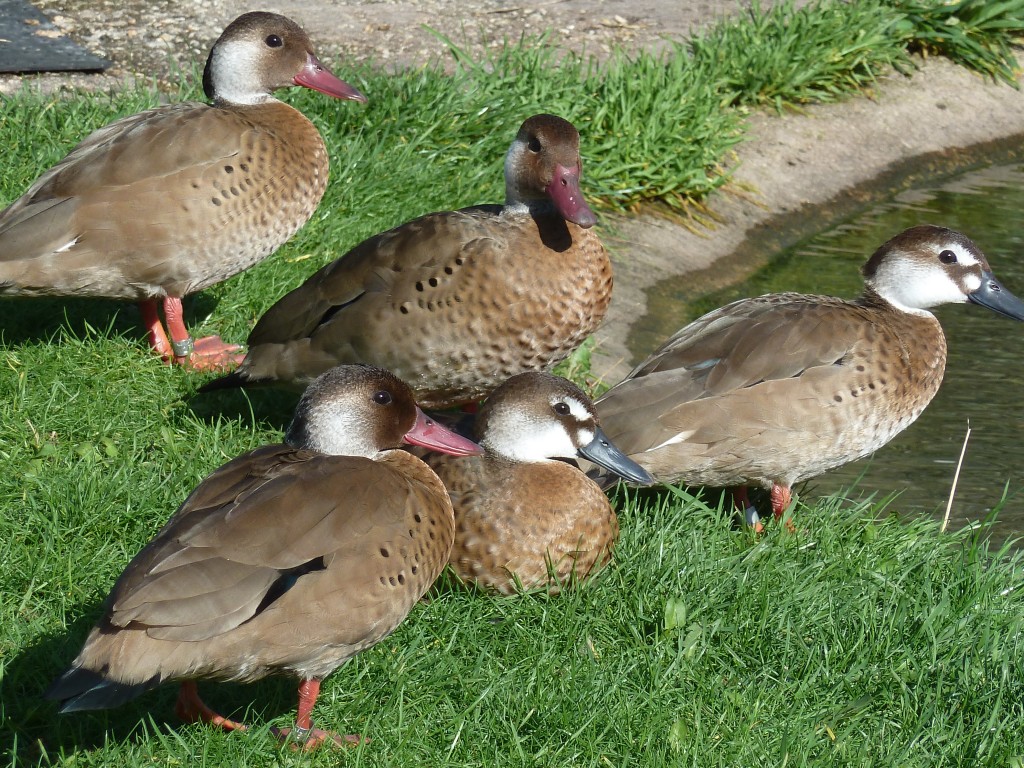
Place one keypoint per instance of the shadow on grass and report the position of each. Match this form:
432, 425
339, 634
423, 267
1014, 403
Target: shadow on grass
721, 499
48, 319
33, 732
259, 407
622, 495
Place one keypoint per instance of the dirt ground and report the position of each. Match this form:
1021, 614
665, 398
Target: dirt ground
139, 36
797, 173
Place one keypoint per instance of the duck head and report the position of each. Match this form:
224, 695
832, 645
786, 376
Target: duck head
536, 417
927, 266
362, 410
543, 167
260, 52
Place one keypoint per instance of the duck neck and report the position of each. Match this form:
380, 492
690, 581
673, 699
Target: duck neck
875, 300
913, 337
535, 207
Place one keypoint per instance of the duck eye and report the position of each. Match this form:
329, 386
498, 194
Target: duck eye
561, 409
382, 398
534, 144
274, 41
947, 257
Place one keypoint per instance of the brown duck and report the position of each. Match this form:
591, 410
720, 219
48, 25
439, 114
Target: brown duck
774, 390
169, 201
456, 302
522, 518
289, 559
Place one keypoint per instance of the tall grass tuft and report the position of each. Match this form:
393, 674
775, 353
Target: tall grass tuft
978, 33
782, 55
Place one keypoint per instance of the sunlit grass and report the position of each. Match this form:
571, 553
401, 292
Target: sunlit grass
857, 641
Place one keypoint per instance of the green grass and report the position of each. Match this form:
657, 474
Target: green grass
978, 32
656, 128
858, 641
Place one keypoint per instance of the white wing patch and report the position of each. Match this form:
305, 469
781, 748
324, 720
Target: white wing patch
679, 438
68, 245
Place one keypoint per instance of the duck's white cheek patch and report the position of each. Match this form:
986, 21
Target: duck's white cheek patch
547, 442
232, 71
972, 283
576, 408
929, 289
964, 256
337, 433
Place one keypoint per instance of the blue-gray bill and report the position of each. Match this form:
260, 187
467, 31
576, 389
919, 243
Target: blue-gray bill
992, 295
600, 451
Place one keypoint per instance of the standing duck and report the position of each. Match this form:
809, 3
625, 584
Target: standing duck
169, 201
455, 302
289, 559
523, 518
771, 391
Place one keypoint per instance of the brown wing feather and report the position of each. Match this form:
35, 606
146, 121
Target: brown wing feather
146, 201
454, 303
247, 526
754, 340
133, 151
732, 377
379, 272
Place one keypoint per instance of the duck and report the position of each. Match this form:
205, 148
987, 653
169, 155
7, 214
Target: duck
525, 520
289, 559
169, 201
774, 390
453, 302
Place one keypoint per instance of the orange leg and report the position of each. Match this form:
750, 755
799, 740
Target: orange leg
304, 735
207, 354
781, 497
157, 336
191, 709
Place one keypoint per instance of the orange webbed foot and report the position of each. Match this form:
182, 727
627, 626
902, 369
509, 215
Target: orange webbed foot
206, 354
303, 735
313, 738
210, 353
191, 709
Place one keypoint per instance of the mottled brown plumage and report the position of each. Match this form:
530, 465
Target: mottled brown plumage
289, 559
774, 390
523, 518
166, 202
454, 302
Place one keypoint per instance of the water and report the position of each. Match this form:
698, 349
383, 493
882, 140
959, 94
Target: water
984, 375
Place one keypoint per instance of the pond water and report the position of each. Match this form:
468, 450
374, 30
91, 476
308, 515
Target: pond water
984, 380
